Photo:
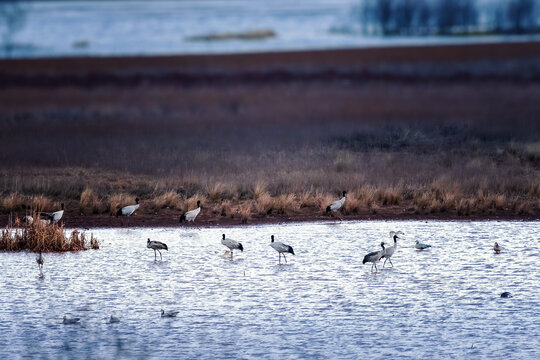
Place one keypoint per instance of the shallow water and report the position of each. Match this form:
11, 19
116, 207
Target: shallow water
440, 303
135, 27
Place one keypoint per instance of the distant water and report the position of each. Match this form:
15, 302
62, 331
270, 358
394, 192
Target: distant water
127, 27
442, 303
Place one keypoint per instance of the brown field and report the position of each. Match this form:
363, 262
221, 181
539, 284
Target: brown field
439, 132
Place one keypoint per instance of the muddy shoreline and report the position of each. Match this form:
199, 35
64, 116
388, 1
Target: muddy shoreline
170, 219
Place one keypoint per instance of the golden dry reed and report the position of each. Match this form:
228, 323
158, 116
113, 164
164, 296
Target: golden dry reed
36, 235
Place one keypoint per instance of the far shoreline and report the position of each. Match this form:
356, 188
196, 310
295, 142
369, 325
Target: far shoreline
153, 221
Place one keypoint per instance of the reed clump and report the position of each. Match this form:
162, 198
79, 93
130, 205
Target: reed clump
38, 236
169, 199
89, 202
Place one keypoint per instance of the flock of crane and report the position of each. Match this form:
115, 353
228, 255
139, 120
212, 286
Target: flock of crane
374, 257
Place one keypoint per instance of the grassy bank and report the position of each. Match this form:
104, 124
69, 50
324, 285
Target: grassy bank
420, 145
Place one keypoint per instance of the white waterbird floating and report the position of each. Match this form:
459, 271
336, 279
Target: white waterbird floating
169, 313
418, 245
70, 320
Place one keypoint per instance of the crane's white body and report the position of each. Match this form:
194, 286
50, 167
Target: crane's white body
231, 244
418, 245
336, 205
130, 209
281, 248
57, 215
192, 214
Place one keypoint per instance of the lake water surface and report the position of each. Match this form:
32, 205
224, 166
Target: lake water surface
136, 27
440, 303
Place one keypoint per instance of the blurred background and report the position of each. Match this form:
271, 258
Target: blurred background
417, 107
127, 27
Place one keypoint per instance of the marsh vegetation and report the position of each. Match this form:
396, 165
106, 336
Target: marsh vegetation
422, 140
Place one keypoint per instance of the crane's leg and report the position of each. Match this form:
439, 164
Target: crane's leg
161, 257
279, 257
155, 255
391, 262
231, 254
196, 225
384, 263
285, 258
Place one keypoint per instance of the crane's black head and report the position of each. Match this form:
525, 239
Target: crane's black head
198, 203
272, 237
344, 192
118, 211
62, 206
148, 241
223, 237
382, 244
137, 200
395, 237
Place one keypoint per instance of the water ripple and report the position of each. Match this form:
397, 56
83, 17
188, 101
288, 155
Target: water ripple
439, 303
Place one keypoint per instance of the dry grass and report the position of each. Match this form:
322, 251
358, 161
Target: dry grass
12, 202
90, 202
454, 147
117, 201
169, 199
41, 237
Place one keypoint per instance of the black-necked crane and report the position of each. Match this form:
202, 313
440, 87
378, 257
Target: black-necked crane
40, 261
169, 313
373, 257
156, 246
57, 215
420, 246
281, 248
390, 250
336, 205
52, 216
231, 244
70, 320
192, 214
497, 248
128, 210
